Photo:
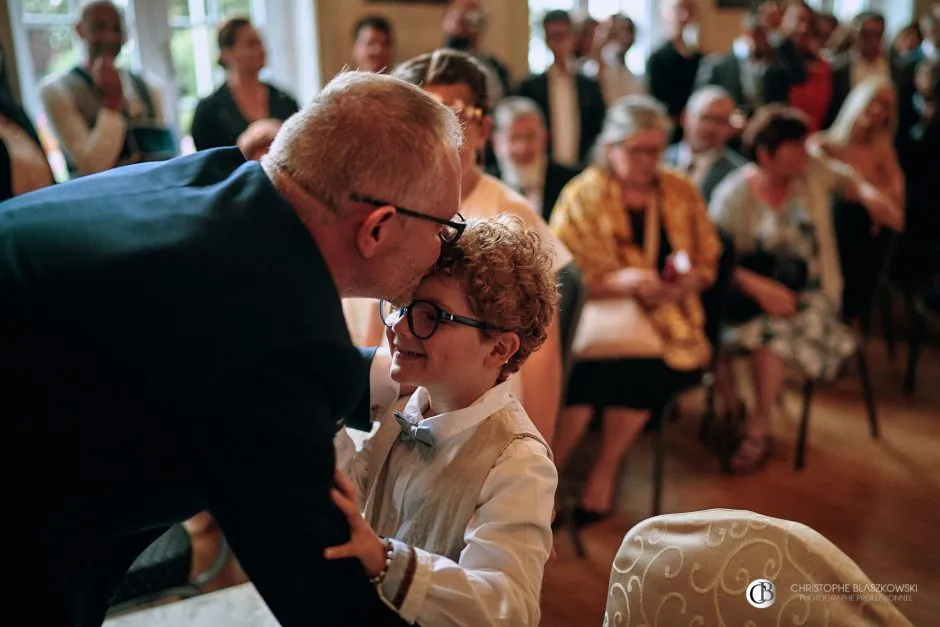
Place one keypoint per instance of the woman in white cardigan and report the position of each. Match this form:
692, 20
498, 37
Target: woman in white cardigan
785, 313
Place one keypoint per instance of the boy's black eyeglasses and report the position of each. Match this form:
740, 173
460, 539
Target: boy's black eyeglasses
451, 230
424, 317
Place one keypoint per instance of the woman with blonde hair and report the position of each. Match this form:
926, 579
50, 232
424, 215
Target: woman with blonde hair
862, 139
628, 222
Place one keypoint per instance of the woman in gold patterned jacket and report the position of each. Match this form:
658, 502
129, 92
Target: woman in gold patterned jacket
629, 223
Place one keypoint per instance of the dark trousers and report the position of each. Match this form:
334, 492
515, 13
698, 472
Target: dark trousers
861, 255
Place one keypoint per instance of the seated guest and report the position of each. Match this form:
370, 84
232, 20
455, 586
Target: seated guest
866, 57
862, 138
372, 44
23, 164
813, 94
450, 502
105, 117
461, 82
572, 103
703, 154
702, 564
671, 68
788, 281
243, 98
752, 72
622, 219
615, 36
519, 141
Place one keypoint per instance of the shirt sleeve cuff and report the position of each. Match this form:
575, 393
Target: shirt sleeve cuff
417, 590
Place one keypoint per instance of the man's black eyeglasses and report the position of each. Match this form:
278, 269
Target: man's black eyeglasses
451, 230
424, 318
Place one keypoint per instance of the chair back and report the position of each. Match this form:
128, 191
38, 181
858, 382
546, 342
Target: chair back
732, 567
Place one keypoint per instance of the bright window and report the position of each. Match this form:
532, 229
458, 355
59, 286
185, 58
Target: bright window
642, 12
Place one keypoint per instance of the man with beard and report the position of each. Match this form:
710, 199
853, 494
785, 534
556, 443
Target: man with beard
464, 24
173, 342
523, 163
105, 117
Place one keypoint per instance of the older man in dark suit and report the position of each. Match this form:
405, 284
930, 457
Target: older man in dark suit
703, 153
173, 342
519, 138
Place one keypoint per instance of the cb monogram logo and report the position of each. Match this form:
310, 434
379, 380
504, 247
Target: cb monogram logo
761, 593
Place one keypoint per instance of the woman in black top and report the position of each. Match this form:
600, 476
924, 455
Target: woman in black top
23, 164
243, 98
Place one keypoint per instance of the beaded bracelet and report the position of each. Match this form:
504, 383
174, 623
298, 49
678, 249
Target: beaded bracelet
389, 553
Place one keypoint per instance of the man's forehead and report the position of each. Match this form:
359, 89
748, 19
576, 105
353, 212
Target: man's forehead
102, 13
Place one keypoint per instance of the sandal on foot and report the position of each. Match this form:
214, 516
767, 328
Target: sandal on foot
751, 455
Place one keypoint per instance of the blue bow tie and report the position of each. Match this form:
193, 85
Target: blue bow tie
414, 432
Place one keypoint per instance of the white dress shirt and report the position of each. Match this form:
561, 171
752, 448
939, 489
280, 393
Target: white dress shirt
565, 113
498, 577
96, 149
861, 68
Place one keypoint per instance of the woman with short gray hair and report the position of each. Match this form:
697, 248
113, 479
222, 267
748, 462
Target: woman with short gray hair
642, 238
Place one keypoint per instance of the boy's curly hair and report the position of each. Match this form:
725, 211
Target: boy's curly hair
507, 275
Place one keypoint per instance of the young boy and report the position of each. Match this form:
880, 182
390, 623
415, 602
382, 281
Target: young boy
457, 488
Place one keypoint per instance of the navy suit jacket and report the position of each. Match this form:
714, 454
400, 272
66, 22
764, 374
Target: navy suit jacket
172, 342
590, 102
725, 165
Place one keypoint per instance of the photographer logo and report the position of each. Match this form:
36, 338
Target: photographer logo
761, 593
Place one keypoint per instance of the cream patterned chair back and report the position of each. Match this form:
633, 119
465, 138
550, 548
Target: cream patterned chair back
698, 570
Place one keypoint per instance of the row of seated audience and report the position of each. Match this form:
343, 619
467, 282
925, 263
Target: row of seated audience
544, 136
767, 262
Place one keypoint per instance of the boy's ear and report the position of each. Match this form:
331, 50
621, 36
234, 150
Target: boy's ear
506, 345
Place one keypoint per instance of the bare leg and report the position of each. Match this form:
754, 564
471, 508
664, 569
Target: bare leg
621, 427
768, 372
572, 424
726, 397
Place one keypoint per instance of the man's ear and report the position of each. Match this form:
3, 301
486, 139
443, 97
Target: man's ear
375, 231
505, 346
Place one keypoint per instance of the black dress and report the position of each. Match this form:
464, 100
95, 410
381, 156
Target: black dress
218, 121
633, 383
861, 255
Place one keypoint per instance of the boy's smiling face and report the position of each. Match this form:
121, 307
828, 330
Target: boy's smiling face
456, 364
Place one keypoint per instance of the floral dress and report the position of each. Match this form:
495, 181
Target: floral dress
813, 341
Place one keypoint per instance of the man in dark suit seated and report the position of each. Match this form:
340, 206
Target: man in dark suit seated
522, 162
573, 104
703, 153
174, 342
752, 72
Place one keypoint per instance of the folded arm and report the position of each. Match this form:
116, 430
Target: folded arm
91, 149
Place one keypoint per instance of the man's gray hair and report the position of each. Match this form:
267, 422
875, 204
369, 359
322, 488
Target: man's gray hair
514, 107
626, 117
705, 96
369, 134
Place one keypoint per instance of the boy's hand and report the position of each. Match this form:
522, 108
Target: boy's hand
363, 542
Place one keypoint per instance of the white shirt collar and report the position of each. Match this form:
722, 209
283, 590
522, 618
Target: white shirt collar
448, 424
929, 50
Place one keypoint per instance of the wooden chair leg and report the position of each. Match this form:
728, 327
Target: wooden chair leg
804, 425
918, 330
868, 392
887, 322
576, 540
